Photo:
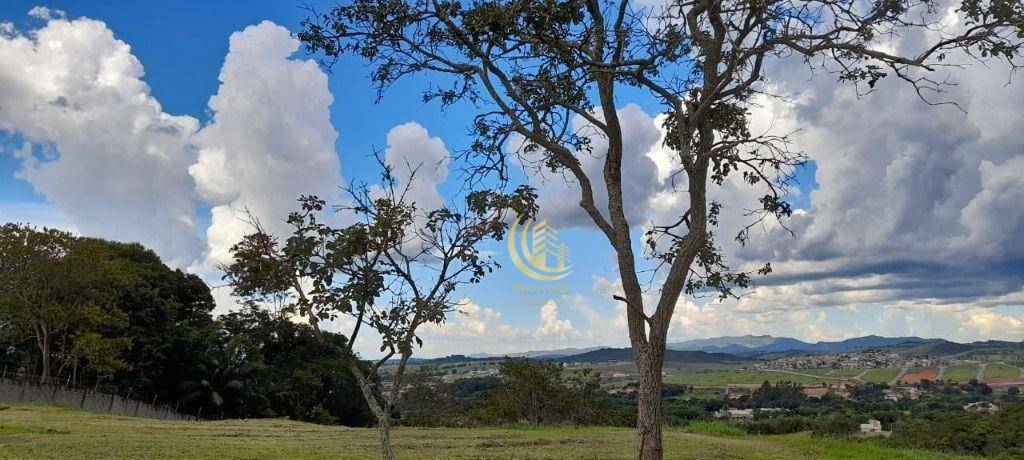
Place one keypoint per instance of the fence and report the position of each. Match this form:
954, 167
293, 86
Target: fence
18, 388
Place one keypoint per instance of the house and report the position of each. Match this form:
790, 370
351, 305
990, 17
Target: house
890, 395
738, 390
816, 393
982, 406
746, 413
735, 413
873, 426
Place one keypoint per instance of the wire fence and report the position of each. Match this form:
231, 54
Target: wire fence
23, 388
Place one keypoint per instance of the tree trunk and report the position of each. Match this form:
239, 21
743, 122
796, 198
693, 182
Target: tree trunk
381, 413
44, 348
384, 432
648, 414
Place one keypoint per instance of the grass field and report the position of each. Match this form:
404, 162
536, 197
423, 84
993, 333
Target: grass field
881, 375
994, 371
748, 377
961, 372
850, 373
48, 432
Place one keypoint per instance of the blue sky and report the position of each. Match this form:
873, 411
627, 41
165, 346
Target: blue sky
843, 275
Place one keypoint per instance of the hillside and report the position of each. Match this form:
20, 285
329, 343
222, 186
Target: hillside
41, 432
947, 348
724, 349
767, 344
625, 354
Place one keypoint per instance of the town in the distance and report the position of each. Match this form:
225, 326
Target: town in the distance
731, 377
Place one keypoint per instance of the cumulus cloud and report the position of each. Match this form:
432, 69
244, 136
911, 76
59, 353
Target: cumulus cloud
99, 146
471, 329
270, 140
550, 323
559, 196
419, 163
987, 324
914, 203
479, 329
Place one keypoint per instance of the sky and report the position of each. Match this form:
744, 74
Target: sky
164, 122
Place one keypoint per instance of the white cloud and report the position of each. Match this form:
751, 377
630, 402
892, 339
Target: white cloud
918, 207
102, 148
419, 163
471, 329
987, 324
270, 140
559, 196
550, 323
46, 14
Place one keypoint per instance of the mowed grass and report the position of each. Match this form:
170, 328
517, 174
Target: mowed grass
849, 373
961, 372
737, 377
883, 375
998, 370
47, 432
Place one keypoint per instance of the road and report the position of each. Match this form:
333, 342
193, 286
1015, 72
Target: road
896, 379
865, 372
981, 371
942, 373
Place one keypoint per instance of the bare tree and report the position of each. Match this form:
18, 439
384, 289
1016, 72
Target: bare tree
393, 271
532, 66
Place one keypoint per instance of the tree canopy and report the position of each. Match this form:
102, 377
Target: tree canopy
534, 67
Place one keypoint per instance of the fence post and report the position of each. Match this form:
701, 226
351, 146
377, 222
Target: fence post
111, 406
81, 404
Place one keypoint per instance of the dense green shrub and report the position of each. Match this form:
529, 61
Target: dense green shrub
679, 412
837, 425
715, 427
961, 432
778, 425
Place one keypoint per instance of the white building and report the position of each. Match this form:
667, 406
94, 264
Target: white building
981, 406
873, 426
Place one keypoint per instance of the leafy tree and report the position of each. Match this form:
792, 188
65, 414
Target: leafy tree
168, 321
221, 383
294, 371
426, 401
58, 288
999, 435
838, 425
393, 271
786, 395
539, 393
533, 66
530, 392
147, 330
100, 354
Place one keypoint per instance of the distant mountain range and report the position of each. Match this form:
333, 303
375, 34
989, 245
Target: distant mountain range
724, 349
758, 344
626, 354
540, 353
